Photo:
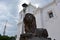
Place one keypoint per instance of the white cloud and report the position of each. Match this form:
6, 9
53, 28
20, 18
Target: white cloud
9, 25
2, 16
9, 28
3, 6
24, 1
5, 14
3, 10
11, 33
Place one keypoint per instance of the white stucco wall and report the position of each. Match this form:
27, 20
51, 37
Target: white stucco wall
52, 24
38, 19
30, 9
21, 16
37, 13
19, 31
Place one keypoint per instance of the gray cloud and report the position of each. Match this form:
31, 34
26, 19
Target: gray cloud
10, 14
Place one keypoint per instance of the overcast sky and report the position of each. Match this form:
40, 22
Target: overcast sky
9, 12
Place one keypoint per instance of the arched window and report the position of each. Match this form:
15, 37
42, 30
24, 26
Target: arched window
50, 13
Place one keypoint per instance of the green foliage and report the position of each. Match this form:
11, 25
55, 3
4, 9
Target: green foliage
7, 38
4, 38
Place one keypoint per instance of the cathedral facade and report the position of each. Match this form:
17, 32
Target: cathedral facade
47, 17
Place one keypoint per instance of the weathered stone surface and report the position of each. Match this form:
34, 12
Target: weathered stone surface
30, 23
31, 32
37, 38
41, 32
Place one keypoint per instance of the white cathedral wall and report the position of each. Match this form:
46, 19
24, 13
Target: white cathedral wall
38, 18
31, 9
57, 1
52, 24
19, 25
36, 12
19, 31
